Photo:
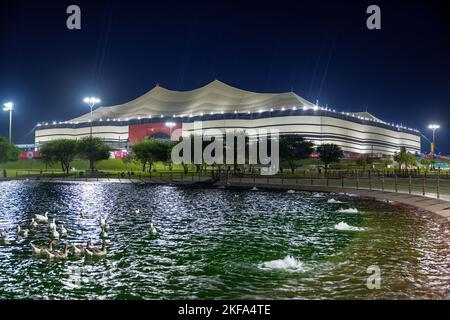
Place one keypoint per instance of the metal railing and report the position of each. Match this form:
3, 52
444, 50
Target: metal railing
430, 186
435, 185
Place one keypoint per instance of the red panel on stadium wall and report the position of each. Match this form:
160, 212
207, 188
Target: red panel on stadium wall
138, 132
28, 155
120, 154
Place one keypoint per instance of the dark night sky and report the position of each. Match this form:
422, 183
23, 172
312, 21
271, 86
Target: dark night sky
400, 73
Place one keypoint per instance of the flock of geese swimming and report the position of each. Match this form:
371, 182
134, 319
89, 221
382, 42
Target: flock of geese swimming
49, 251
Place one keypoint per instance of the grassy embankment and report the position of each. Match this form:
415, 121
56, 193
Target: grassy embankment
117, 166
27, 167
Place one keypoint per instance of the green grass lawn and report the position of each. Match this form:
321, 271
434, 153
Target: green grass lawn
115, 166
37, 165
111, 165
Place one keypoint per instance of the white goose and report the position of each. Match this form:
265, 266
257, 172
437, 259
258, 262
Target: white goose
104, 234
95, 252
33, 223
153, 230
63, 231
41, 218
137, 211
38, 250
54, 233
79, 249
22, 232
57, 254
3, 240
52, 225
104, 222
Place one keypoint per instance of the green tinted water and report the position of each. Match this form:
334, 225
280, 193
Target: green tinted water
216, 243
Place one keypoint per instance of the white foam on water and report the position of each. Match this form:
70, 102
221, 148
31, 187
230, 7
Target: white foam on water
318, 195
342, 226
289, 264
349, 210
333, 201
291, 191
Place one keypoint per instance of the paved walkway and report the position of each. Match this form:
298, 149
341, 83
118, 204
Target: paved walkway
203, 180
438, 207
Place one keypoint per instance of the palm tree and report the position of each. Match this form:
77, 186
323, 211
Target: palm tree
405, 159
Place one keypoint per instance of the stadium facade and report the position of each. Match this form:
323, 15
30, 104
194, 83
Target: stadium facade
160, 112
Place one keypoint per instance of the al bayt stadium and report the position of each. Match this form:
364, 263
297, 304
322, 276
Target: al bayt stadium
159, 112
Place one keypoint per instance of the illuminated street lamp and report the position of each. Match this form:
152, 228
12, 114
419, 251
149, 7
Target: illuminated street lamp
91, 101
170, 125
9, 106
433, 127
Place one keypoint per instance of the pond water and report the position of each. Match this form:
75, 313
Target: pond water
220, 244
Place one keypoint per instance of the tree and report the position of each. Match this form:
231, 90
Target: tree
185, 165
126, 161
294, 147
8, 151
149, 151
404, 159
427, 163
169, 148
364, 162
386, 162
190, 157
60, 150
329, 153
92, 149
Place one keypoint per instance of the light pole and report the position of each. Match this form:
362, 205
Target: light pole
9, 106
433, 127
170, 125
91, 101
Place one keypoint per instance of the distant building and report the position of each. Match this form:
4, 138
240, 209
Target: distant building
160, 112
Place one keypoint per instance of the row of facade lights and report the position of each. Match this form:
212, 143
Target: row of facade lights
315, 108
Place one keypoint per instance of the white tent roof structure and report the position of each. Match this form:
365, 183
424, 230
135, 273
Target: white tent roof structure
215, 97
367, 115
